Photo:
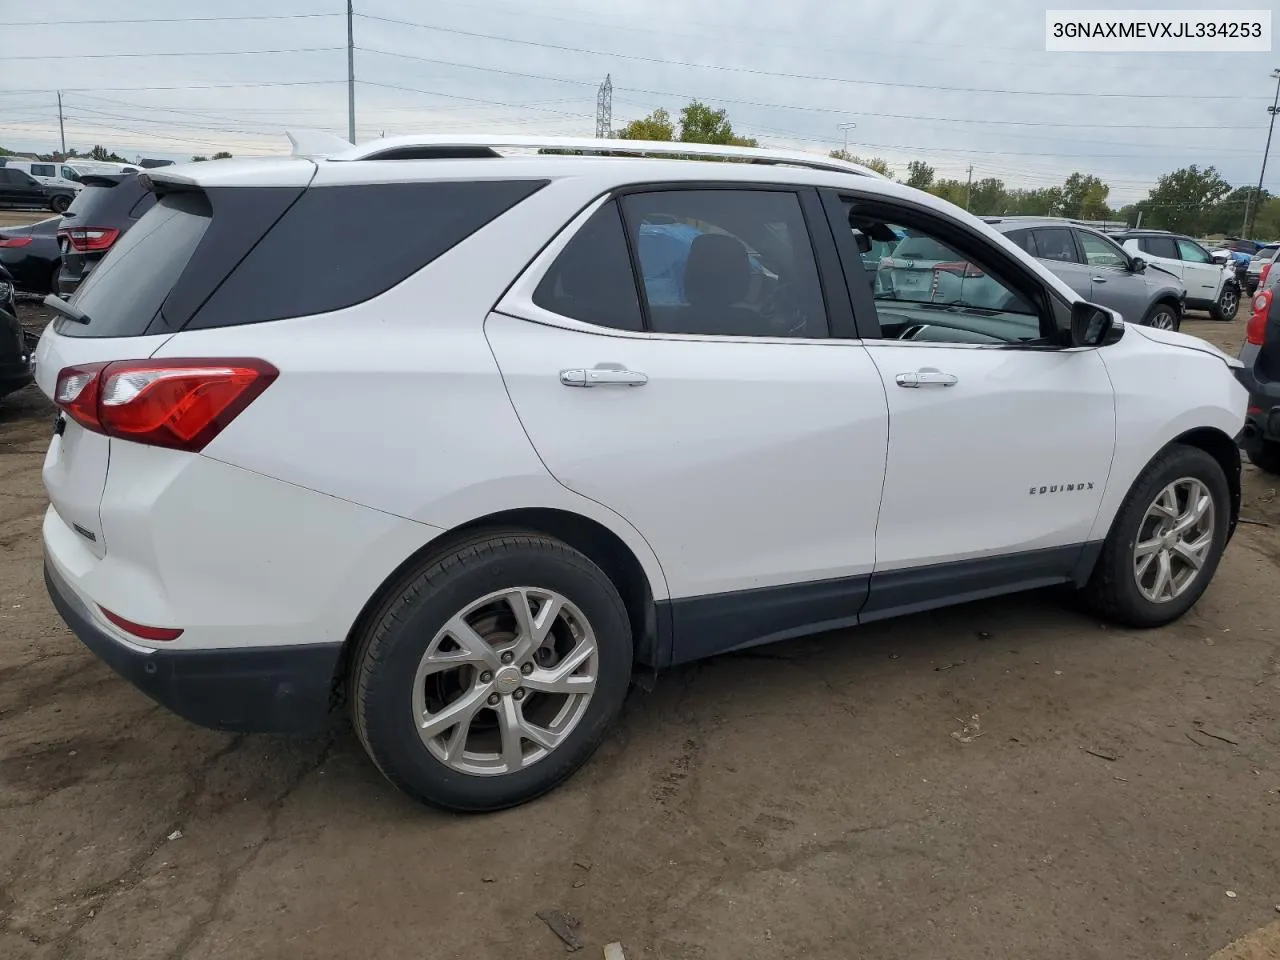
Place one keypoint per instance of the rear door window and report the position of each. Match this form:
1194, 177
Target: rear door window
128, 288
1055, 243
1162, 247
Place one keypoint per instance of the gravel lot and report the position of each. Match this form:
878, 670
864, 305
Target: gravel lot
826, 798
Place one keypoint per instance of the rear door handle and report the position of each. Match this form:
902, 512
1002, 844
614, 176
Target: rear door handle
926, 378
1099, 279
601, 375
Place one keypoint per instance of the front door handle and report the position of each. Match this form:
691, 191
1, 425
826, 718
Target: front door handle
1099, 279
603, 374
926, 378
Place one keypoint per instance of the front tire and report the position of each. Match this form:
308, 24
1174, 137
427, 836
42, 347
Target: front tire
1165, 543
492, 675
1265, 456
1162, 317
1228, 304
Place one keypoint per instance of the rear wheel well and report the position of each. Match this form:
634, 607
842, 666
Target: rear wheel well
595, 541
1167, 300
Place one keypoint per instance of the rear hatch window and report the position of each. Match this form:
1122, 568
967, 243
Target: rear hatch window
126, 291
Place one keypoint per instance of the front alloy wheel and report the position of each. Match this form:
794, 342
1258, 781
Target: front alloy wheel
1174, 540
1228, 304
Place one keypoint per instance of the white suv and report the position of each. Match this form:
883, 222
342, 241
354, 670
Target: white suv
1210, 286
463, 441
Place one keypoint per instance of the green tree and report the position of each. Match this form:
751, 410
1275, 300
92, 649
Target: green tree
100, 152
1182, 200
199, 158
656, 126
1084, 197
988, 196
919, 175
1267, 224
952, 191
700, 124
1042, 202
878, 164
221, 155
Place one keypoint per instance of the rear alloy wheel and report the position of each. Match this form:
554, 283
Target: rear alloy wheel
1228, 304
60, 203
1166, 541
493, 674
1162, 317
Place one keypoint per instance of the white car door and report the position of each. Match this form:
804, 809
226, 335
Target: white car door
706, 402
1201, 276
1000, 443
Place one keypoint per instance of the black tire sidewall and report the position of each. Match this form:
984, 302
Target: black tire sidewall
386, 694
1265, 456
59, 204
1178, 463
1162, 308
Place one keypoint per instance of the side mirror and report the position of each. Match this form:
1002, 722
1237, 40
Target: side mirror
1090, 324
1137, 265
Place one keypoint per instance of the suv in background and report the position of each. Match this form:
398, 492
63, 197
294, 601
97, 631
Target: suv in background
1210, 285
107, 207
19, 189
426, 477
1099, 269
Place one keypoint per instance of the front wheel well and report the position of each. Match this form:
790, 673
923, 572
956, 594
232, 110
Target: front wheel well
1223, 449
592, 539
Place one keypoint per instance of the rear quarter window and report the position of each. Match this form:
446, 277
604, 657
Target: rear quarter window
341, 245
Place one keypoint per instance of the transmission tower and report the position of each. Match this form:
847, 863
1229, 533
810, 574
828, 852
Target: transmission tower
604, 109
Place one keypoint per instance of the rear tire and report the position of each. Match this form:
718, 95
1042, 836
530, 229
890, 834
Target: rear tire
1121, 586
1227, 305
450, 643
1162, 317
1265, 456
60, 203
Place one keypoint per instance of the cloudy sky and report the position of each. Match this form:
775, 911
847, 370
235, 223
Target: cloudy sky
955, 84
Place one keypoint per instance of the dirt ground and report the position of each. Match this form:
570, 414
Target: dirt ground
1004, 779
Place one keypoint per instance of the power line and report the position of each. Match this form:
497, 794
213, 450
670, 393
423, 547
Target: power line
189, 86
65, 23
793, 76
182, 53
455, 96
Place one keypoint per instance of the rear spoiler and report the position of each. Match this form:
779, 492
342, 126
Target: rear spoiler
316, 144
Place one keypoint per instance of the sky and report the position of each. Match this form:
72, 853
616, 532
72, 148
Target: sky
954, 84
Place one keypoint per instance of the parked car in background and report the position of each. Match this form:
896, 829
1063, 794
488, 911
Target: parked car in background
19, 189
105, 210
1099, 269
84, 167
594, 485
1257, 263
31, 255
15, 351
1210, 285
924, 269
1260, 354
47, 172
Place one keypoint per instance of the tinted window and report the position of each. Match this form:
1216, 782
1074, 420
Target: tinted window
726, 262
591, 280
1192, 252
1159, 247
43, 170
1025, 240
128, 287
1055, 243
1101, 252
339, 246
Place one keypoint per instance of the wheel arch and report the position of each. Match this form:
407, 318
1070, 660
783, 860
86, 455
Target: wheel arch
1224, 450
590, 537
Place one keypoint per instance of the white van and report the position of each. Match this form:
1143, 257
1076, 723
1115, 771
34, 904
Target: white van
83, 167
50, 173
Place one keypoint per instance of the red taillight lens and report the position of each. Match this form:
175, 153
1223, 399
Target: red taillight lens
1262, 277
961, 268
1256, 331
182, 404
90, 239
138, 630
14, 241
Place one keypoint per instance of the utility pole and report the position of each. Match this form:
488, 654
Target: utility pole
62, 131
351, 77
846, 127
604, 109
968, 187
1247, 229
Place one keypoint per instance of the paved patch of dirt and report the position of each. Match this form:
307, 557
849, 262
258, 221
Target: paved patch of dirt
802, 800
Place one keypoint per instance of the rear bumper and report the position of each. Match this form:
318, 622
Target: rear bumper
285, 689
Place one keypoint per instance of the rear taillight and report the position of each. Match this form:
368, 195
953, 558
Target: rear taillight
182, 404
90, 239
1256, 331
139, 630
961, 268
1262, 277
14, 241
